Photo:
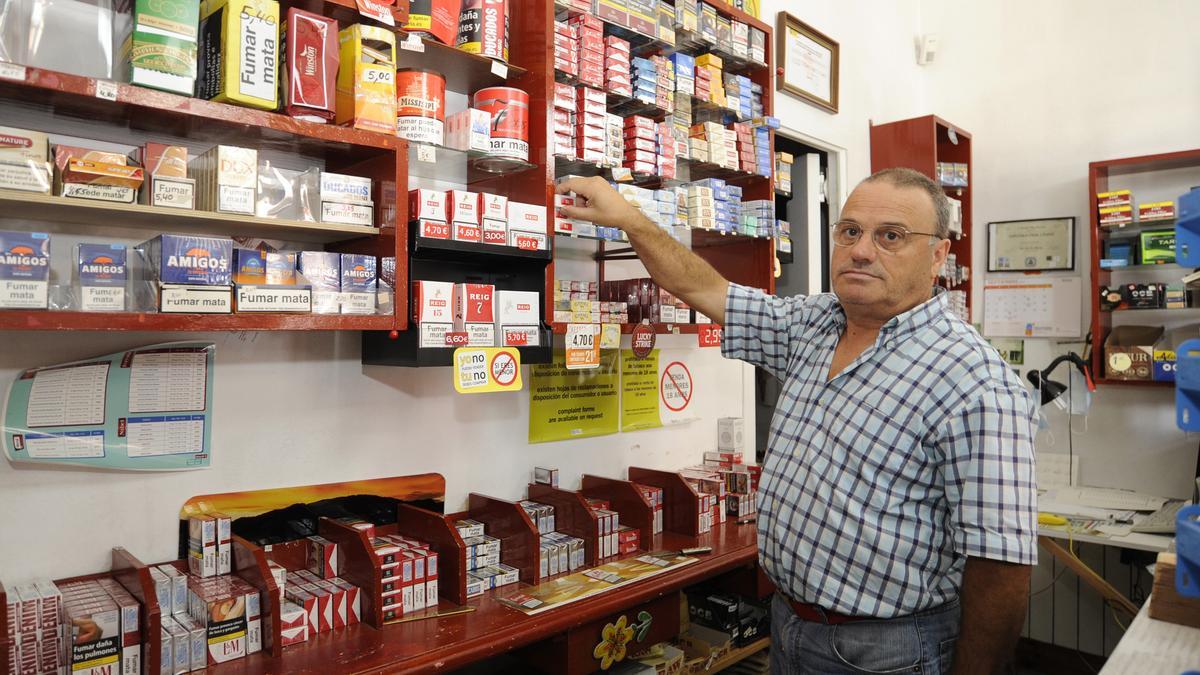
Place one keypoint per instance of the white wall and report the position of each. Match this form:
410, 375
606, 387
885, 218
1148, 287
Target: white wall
1045, 88
299, 409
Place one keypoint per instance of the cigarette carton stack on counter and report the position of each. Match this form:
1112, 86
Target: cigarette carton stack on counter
542, 515
654, 495
558, 553
25, 160
484, 569
564, 120
1116, 208
588, 32
313, 604
646, 301
410, 575
454, 315
608, 524
747, 160
710, 84
628, 540
566, 49
783, 171
230, 611
617, 67
36, 641
209, 541
102, 620
579, 302
711, 485
182, 641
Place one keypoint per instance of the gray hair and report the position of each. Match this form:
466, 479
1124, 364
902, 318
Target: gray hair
903, 177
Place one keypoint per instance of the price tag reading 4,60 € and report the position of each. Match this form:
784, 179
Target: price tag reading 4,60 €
583, 349
479, 370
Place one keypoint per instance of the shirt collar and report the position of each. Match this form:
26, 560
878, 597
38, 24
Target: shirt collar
906, 322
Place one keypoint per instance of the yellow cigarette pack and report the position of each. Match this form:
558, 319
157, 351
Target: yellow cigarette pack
366, 84
239, 52
710, 60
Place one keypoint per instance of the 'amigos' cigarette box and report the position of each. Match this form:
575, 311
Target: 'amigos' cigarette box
24, 269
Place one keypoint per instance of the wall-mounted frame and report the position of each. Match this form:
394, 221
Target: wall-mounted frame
808, 63
1039, 245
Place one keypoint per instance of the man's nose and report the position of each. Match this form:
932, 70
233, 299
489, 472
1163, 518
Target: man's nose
864, 249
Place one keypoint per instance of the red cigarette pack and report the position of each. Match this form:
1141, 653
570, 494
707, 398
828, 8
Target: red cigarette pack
310, 75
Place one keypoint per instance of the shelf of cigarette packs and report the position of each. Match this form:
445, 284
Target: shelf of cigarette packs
460, 167
501, 544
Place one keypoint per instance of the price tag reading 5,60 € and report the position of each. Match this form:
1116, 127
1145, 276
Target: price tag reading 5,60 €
582, 346
479, 370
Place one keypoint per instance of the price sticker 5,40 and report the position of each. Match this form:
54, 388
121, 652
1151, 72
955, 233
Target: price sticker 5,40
582, 346
478, 370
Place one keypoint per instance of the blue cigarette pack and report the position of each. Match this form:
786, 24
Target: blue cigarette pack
250, 266
322, 269
187, 259
358, 273
102, 265
25, 256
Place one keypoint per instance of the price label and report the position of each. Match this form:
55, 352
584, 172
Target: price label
413, 43
426, 153
374, 10
479, 370
710, 335
582, 346
622, 174
11, 71
610, 336
379, 75
500, 70
106, 89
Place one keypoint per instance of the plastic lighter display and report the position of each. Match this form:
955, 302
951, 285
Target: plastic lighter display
142, 409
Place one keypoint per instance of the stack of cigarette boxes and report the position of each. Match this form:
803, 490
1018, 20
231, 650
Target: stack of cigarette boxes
1116, 207
608, 523
664, 82
628, 540
542, 515
183, 644
665, 142
560, 553
115, 643
315, 604
684, 66
757, 218
591, 125
566, 49
565, 102
579, 302
654, 495
35, 641
588, 32
488, 317
484, 569
953, 174
322, 270
209, 538
229, 609
617, 66
646, 301
783, 171
25, 160
644, 77
614, 140
433, 311
226, 179
410, 571
641, 145
99, 175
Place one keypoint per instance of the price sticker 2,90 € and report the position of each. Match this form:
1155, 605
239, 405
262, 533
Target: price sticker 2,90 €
480, 370
582, 346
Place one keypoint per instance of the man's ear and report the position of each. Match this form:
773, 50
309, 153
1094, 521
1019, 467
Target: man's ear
940, 250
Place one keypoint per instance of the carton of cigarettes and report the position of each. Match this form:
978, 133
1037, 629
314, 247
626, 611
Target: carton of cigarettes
202, 546
185, 259
469, 129
323, 558
226, 179
545, 476
224, 543
239, 52
197, 643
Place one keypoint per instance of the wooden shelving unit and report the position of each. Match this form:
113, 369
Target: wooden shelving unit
1105, 176
919, 144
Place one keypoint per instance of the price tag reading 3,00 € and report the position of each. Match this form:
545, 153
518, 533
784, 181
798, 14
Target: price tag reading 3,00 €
479, 370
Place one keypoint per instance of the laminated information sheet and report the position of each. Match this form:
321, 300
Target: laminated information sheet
589, 582
143, 409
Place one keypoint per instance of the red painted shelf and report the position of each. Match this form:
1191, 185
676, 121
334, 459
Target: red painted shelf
134, 321
1134, 383
659, 328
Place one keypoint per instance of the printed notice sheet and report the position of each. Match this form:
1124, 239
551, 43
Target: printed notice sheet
143, 409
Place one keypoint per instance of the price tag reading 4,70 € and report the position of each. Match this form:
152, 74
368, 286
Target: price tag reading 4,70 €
582, 346
479, 370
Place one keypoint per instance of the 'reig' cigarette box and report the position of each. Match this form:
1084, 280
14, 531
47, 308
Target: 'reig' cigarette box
474, 313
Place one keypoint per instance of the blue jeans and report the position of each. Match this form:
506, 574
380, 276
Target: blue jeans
920, 643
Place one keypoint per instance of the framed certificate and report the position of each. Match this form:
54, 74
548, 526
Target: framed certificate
808, 63
1040, 245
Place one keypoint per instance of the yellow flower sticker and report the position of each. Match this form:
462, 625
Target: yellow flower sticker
613, 643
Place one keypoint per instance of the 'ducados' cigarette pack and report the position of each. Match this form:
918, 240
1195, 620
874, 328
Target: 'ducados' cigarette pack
239, 52
158, 44
366, 85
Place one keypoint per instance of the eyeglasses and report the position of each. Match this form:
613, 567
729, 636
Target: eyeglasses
889, 238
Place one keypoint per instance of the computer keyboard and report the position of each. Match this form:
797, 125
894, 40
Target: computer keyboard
1161, 521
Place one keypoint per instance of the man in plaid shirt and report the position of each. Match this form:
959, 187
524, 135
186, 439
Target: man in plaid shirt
897, 511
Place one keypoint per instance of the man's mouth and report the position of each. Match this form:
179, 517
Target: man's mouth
859, 274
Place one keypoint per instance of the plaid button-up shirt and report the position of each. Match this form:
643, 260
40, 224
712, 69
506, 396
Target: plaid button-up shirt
878, 483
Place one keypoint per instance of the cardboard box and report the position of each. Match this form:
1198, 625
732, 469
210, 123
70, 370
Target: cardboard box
186, 259
433, 302
311, 66
1129, 352
239, 52
226, 179
469, 129
1157, 247
366, 85
1152, 211
158, 43
427, 205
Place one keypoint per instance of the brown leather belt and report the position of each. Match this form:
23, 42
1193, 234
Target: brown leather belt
818, 614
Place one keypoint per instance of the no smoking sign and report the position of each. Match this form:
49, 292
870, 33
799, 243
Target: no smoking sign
675, 388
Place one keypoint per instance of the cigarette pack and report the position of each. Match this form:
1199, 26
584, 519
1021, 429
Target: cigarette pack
358, 284
469, 129
323, 557
226, 179
95, 639
239, 52
322, 270
202, 546
427, 205
249, 266
366, 85
293, 623
178, 585
197, 643
463, 206
310, 73
186, 259
353, 602
518, 307
433, 302
158, 43
545, 476
224, 543
526, 217
102, 274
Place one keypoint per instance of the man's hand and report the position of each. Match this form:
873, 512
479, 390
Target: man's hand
670, 263
604, 205
995, 596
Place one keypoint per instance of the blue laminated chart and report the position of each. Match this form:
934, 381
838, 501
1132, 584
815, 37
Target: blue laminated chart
144, 409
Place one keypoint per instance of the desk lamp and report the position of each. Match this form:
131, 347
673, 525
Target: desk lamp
1052, 391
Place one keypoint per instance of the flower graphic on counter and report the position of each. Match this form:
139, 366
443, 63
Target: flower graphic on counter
616, 637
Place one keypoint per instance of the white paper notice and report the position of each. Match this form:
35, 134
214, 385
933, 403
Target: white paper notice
68, 396
167, 381
172, 435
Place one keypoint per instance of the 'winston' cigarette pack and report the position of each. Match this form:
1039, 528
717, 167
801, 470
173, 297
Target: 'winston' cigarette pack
310, 73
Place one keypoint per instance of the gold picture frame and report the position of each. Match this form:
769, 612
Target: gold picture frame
808, 62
